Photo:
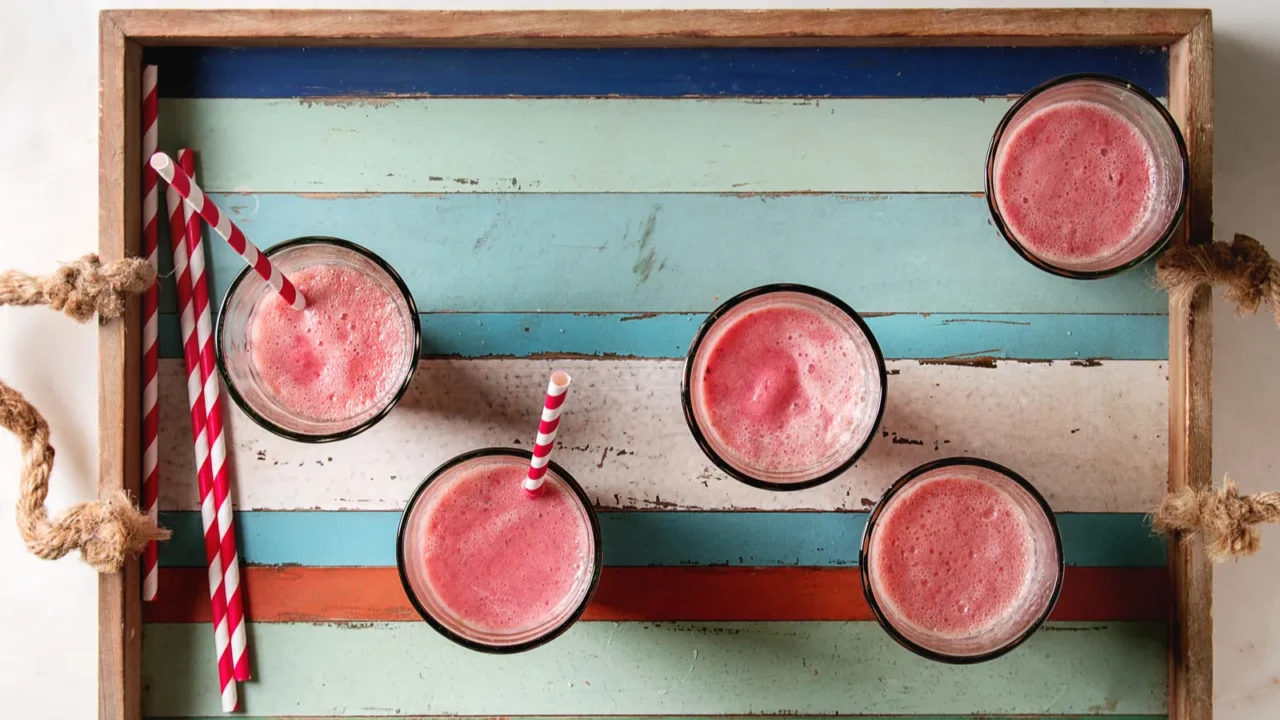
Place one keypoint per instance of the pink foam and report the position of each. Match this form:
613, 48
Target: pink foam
953, 556
341, 356
781, 387
1074, 182
498, 559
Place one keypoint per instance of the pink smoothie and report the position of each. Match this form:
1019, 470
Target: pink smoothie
781, 387
1074, 182
499, 560
953, 556
341, 356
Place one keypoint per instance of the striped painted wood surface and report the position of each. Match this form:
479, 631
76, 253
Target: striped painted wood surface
1091, 436
662, 182
642, 668
639, 539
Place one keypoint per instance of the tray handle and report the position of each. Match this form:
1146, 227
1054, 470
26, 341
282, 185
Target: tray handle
1249, 277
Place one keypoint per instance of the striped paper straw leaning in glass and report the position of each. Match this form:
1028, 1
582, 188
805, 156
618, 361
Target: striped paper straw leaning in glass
546, 439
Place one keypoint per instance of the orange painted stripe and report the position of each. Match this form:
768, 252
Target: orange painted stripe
374, 594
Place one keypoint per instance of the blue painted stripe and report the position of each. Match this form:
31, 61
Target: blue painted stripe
682, 253
939, 335
751, 539
674, 72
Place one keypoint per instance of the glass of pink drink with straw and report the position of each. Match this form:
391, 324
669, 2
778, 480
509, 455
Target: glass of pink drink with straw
1087, 176
329, 371
499, 549
784, 387
961, 560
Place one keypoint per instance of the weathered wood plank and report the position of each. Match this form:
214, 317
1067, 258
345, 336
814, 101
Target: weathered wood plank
1092, 437
665, 72
740, 594
368, 538
667, 335
681, 253
491, 145
643, 668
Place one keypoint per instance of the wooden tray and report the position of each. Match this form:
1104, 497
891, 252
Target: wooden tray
677, 159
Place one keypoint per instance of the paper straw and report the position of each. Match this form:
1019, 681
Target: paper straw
546, 439
150, 324
204, 474
227, 230
217, 444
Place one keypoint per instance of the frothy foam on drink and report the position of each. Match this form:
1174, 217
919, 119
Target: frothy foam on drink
952, 556
341, 356
499, 560
784, 387
1075, 182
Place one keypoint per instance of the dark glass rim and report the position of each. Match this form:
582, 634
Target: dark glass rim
391, 403
557, 631
864, 565
686, 399
1174, 222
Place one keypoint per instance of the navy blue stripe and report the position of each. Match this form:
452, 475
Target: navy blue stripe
707, 72
752, 539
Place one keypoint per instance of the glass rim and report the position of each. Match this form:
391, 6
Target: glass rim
596, 540
864, 567
1166, 236
686, 395
219, 332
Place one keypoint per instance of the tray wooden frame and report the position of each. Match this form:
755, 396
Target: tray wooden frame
123, 34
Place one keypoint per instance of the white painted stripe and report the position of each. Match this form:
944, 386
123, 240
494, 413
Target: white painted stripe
540, 462
195, 198
202, 449
546, 439
193, 388
549, 414
1092, 439
149, 395
224, 518
214, 576
150, 74
150, 331
223, 227
229, 697
150, 140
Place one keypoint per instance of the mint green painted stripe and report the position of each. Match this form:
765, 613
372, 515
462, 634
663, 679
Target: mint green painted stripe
754, 539
562, 145
682, 253
646, 668
939, 335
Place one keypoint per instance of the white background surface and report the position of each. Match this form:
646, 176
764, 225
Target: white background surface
48, 207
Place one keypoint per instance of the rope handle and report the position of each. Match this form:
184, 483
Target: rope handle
1249, 277
108, 531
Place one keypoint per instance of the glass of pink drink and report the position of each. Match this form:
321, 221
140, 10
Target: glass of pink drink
490, 567
330, 371
1087, 176
961, 560
784, 387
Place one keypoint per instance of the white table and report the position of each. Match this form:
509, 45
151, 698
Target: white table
48, 202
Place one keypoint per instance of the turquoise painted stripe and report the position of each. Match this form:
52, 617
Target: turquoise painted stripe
682, 253
559, 145
637, 668
752, 539
938, 335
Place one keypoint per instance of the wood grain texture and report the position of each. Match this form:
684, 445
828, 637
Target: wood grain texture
1190, 386
1091, 437
740, 594
637, 253
662, 28
640, 668
119, 398
641, 72
570, 145
637, 539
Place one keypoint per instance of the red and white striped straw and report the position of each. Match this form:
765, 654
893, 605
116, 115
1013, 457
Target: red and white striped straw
217, 443
546, 439
150, 325
204, 474
227, 230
